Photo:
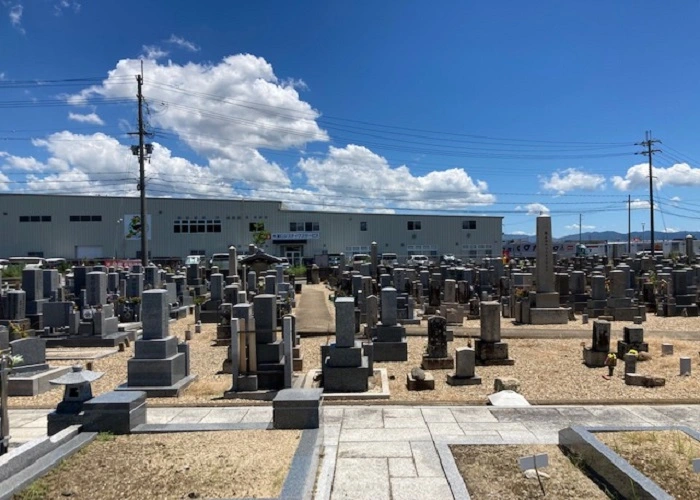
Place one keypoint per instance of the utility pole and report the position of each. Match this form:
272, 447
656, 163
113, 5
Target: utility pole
142, 150
629, 224
649, 152
579, 229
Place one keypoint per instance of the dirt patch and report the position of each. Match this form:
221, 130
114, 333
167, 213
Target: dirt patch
492, 471
173, 466
549, 370
665, 457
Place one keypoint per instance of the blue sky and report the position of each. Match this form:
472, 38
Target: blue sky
451, 107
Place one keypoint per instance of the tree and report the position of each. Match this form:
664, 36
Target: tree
260, 236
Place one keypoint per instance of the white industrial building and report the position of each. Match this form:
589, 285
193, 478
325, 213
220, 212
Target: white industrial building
102, 227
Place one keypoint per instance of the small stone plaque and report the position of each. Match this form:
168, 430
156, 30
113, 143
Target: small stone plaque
534, 462
696, 465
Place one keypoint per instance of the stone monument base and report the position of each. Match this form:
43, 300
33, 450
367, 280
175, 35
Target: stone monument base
391, 351
429, 363
453, 379
492, 353
427, 384
34, 383
549, 316
161, 391
594, 359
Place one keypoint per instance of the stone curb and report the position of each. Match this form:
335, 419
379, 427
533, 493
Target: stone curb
610, 467
37, 467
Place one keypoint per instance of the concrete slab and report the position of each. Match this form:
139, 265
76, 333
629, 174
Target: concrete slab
402, 412
426, 459
361, 479
385, 435
387, 449
405, 423
258, 415
445, 429
518, 437
224, 415
443, 415
189, 416
473, 414
420, 488
402, 467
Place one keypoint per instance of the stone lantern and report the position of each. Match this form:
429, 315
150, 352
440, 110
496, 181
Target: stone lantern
77, 391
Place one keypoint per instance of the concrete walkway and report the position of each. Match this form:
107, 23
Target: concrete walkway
313, 312
401, 452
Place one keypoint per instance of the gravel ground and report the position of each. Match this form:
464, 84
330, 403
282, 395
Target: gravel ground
550, 369
173, 466
665, 457
492, 472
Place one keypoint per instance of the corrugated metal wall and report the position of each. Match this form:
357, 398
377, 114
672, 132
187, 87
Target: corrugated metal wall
336, 232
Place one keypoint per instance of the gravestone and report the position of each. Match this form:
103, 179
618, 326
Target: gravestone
595, 356
389, 337
465, 363
33, 375
269, 348
160, 366
345, 366
490, 350
436, 357
633, 338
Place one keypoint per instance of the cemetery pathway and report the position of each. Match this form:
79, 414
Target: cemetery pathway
312, 311
402, 452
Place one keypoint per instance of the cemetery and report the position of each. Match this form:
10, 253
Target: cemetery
495, 339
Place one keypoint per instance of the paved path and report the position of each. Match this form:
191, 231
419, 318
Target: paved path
400, 452
312, 311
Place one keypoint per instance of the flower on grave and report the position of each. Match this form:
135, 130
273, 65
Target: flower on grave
520, 293
633, 352
611, 360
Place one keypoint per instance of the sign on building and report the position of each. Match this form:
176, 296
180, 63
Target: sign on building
132, 226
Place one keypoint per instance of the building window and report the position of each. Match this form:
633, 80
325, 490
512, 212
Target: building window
35, 218
85, 218
413, 225
468, 224
363, 225
196, 226
303, 226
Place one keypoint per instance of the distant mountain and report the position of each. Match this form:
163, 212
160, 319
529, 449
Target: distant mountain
615, 236
609, 236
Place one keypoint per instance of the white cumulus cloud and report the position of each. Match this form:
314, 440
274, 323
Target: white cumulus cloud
16, 16
91, 118
577, 227
533, 209
570, 179
153, 52
225, 112
349, 173
182, 43
678, 175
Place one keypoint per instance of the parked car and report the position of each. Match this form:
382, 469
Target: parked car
418, 260
29, 262
360, 258
449, 259
193, 259
219, 260
389, 260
